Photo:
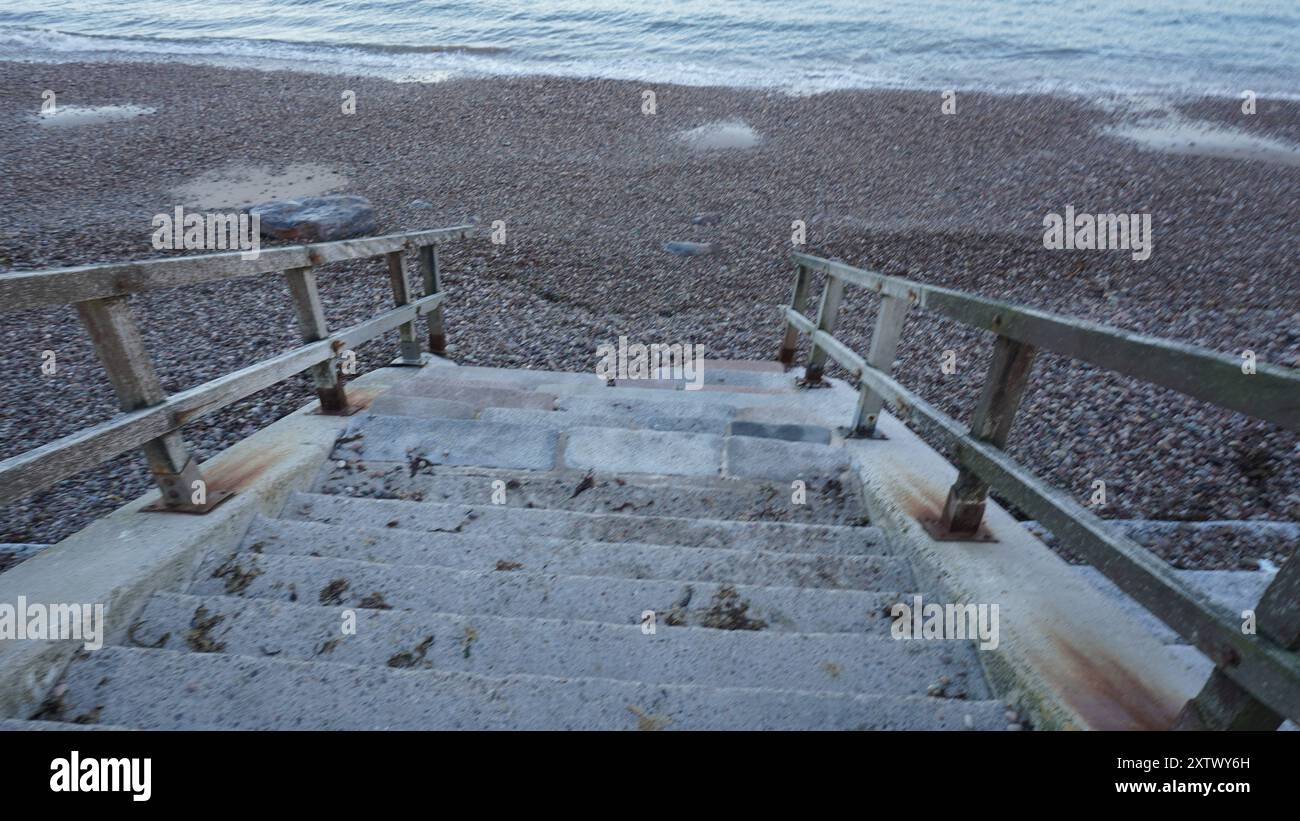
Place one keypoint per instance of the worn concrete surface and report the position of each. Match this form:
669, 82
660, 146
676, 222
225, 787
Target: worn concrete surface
523, 593
498, 646
121, 559
826, 500
137, 687
631, 560
766, 613
1068, 654
506, 523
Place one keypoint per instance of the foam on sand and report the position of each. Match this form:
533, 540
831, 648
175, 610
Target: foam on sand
714, 136
1176, 134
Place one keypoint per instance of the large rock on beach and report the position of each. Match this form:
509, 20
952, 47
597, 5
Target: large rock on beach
689, 249
316, 219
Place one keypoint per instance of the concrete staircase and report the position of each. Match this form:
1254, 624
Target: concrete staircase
484, 547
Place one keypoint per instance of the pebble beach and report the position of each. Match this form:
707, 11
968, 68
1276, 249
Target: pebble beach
590, 187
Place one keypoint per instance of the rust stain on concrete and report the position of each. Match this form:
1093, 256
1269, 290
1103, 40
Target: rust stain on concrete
237, 474
1105, 692
916, 497
362, 397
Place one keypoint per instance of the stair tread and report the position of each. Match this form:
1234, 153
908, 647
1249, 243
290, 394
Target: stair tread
827, 500
576, 557
448, 441
519, 592
563, 420
507, 522
152, 688
494, 645
21, 725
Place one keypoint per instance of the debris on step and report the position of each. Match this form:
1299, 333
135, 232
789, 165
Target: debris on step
729, 612
406, 660
375, 601
333, 592
199, 637
647, 722
236, 577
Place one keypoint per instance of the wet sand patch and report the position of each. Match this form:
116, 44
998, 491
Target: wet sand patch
65, 116
1179, 135
239, 185
721, 135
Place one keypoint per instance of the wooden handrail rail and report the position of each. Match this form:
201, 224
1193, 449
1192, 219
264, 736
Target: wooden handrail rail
152, 420
1257, 678
64, 286
1272, 393
43, 466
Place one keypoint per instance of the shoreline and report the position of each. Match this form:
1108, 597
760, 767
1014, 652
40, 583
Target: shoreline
348, 58
1100, 96
590, 189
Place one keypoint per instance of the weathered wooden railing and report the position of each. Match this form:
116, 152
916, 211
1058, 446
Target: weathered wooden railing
151, 419
1257, 677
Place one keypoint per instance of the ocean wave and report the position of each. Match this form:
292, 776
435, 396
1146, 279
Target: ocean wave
703, 50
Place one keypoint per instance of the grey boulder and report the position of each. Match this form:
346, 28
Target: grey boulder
689, 249
316, 219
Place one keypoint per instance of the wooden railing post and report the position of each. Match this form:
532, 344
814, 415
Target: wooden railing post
432, 275
827, 313
798, 300
410, 350
1004, 386
1223, 704
884, 347
311, 324
121, 349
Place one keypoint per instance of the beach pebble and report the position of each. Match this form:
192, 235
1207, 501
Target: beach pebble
689, 249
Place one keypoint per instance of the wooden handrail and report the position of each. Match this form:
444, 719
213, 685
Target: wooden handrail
1257, 678
1272, 393
152, 420
64, 286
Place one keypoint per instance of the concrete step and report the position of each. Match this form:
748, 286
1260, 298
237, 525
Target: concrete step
829, 501
519, 592
559, 420
578, 558
495, 646
468, 442
1231, 590
517, 378
448, 442
726, 378
759, 365
19, 725
769, 458
160, 689
422, 407
667, 393
450, 386
613, 450
735, 374
505, 523
645, 404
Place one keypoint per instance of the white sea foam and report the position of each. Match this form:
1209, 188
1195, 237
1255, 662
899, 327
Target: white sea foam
1164, 47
